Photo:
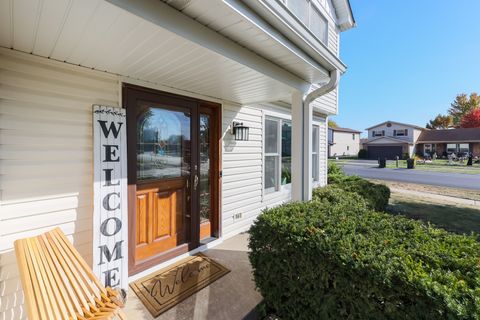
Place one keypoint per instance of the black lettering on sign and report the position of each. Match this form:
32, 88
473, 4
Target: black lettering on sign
103, 227
117, 251
110, 277
112, 128
106, 201
108, 178
111, 153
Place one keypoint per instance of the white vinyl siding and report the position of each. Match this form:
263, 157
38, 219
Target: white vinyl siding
334, 40
327, 102
46, 163
243, 167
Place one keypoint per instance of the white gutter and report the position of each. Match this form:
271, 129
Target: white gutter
325, 88
307, 130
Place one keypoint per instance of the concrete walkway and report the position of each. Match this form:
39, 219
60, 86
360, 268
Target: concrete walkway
230, 297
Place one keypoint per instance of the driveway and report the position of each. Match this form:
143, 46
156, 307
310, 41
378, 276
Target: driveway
453, 180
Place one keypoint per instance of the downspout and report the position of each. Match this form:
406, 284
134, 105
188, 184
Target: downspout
307, 130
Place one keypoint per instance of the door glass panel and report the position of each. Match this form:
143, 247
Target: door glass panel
163, 144
205, 169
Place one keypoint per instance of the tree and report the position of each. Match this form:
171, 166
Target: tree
463, 105
440, 122
332, 124
471, 119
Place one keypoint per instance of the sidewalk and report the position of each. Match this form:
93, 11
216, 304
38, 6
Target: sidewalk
230, 297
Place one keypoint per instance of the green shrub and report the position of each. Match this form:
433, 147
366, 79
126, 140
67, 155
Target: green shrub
334, 259
362, 154
376, 195
333, 168
331, 195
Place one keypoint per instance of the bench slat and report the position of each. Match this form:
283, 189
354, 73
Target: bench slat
59, 284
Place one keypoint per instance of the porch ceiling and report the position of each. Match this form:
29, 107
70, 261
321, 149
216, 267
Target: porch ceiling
99, 35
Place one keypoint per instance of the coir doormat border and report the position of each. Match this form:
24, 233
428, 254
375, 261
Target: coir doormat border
156, 308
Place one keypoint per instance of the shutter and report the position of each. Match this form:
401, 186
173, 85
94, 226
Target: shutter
406, 132
394, 133
373, 133
383, 133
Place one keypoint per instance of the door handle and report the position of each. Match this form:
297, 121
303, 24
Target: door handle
195, 183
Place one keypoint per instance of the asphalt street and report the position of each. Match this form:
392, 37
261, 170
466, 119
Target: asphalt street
454, 180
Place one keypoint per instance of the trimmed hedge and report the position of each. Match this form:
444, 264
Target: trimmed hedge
335, 259
362, 154
376, 195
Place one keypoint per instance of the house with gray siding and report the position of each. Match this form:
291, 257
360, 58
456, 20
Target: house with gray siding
392, 139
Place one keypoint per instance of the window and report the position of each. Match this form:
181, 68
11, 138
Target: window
272, 154
348, 148
315, 159
463, 148
278, 153
300, 9
310, 16
451, 148
353, 136
400, 133
318, 25
380, 133
458, 147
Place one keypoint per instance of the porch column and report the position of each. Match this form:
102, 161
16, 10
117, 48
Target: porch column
297, 146
307, 150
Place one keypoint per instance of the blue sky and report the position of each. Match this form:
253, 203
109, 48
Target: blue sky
407, 60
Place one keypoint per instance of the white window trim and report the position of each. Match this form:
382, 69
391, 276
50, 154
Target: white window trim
319, 124
317, 178
267, 194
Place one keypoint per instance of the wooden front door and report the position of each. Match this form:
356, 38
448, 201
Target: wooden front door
171, 152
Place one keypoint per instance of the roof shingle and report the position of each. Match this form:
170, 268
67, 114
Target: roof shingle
450, 135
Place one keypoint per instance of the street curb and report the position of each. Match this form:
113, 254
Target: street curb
437, 196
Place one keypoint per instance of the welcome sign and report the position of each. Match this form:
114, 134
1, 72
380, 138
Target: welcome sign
110, 218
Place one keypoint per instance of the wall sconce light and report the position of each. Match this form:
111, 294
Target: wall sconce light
240, 131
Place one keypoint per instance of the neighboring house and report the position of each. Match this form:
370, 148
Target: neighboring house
343, 142
390, 139
225, 107
443, 142
363, 141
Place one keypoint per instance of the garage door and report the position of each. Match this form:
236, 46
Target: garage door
389, 152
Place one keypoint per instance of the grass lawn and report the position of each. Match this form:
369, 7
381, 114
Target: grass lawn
439, 165
425, 188
447, 215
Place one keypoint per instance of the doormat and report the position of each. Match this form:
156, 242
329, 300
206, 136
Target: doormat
165, 288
